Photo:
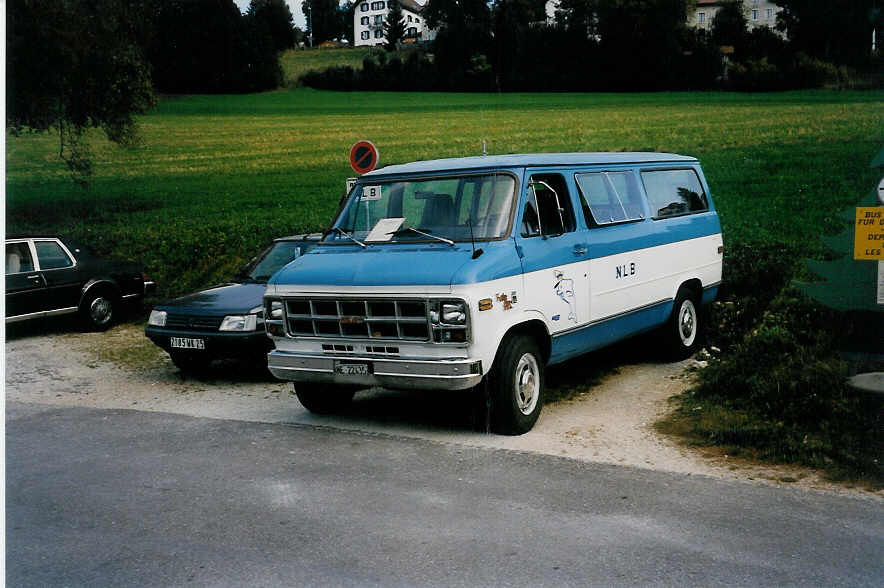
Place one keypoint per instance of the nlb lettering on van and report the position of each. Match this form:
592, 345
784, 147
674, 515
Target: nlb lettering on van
447, 274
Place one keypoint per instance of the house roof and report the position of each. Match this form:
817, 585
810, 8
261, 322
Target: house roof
528, 160
411, 5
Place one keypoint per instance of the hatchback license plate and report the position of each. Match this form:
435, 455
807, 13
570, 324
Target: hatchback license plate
352, 369
187, 343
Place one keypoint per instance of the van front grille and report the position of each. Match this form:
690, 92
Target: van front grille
358, 318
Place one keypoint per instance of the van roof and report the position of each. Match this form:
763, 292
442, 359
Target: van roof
529, 160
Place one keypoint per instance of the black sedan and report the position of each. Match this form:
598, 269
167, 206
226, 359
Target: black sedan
225, 320
50, 276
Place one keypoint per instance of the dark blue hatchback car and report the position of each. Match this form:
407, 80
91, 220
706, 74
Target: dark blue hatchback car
226, 320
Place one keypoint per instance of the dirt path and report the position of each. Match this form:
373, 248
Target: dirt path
609, 422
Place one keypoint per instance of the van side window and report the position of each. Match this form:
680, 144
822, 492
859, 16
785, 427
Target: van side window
610, 197
674, 191
548, 211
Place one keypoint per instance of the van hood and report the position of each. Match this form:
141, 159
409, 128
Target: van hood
393, 265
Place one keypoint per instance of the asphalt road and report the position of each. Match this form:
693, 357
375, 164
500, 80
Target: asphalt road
125, 498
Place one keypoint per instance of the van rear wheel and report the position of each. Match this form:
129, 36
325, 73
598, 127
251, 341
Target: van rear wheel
517, 385
683, 329
323, 398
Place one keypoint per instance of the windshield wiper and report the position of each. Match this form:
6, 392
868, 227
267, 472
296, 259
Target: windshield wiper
419, 232
344, 233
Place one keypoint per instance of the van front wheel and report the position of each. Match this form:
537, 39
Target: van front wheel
516, 386
323, 399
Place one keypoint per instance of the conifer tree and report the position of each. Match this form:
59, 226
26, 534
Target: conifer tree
394, 26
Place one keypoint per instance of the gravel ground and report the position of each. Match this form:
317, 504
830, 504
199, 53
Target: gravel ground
609, 422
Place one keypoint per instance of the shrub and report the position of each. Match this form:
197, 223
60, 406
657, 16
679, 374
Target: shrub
783, 394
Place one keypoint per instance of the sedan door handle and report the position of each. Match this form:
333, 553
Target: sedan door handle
580, 250
34, 277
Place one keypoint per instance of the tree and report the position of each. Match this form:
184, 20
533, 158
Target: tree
345, 20
277, 17
323, 22
578, 18
394, 26
642, 42
208, 46
729, 25
77, 65
463, 41
834, 30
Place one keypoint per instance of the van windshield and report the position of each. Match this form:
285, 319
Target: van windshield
457, 208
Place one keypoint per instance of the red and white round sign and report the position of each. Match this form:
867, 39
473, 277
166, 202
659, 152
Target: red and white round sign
363, 157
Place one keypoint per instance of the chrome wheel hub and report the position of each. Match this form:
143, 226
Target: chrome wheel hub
100, 310
687, 323
527, 384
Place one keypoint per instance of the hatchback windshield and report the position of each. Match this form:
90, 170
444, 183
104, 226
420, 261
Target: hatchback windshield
273, 259
457, 208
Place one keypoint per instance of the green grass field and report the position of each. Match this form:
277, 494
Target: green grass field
297, 62
218, 176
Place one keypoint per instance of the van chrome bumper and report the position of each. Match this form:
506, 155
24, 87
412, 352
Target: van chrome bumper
442, 374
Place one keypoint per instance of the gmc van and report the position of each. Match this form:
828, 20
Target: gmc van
447, 274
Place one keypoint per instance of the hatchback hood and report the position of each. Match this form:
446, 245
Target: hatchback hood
232, 298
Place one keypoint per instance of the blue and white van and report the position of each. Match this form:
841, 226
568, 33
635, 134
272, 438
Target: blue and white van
447, 274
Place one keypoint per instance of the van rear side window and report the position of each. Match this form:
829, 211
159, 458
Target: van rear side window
611, 197
672, 192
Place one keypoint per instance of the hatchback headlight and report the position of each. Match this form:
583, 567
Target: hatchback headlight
239, 322
157, 318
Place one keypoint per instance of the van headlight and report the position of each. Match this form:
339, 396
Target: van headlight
454, 313
157, 318
239, 322
273, 310
450, 321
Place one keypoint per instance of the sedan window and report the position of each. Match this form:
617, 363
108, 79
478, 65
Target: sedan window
52, 256
18, 258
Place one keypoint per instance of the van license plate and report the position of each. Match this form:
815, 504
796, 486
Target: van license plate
187, 343
352, 369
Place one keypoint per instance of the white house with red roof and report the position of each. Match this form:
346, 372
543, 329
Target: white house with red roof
369, 17
759, 13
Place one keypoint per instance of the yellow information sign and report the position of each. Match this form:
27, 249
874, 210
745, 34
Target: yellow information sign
869, 240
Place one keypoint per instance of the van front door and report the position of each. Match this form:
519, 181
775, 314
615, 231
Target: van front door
554, 255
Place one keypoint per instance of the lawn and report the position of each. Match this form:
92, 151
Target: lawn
297, 62
217, 176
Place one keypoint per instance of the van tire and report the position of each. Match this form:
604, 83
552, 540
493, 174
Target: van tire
682, 332
323, 398
517, 385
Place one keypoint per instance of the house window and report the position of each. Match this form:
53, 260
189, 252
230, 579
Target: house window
701, 18
754, 14
364, 7
378, 34
768, 13
409, 18
417, 20
412, 32
363, 20
377, 5
364, 35
378, 19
